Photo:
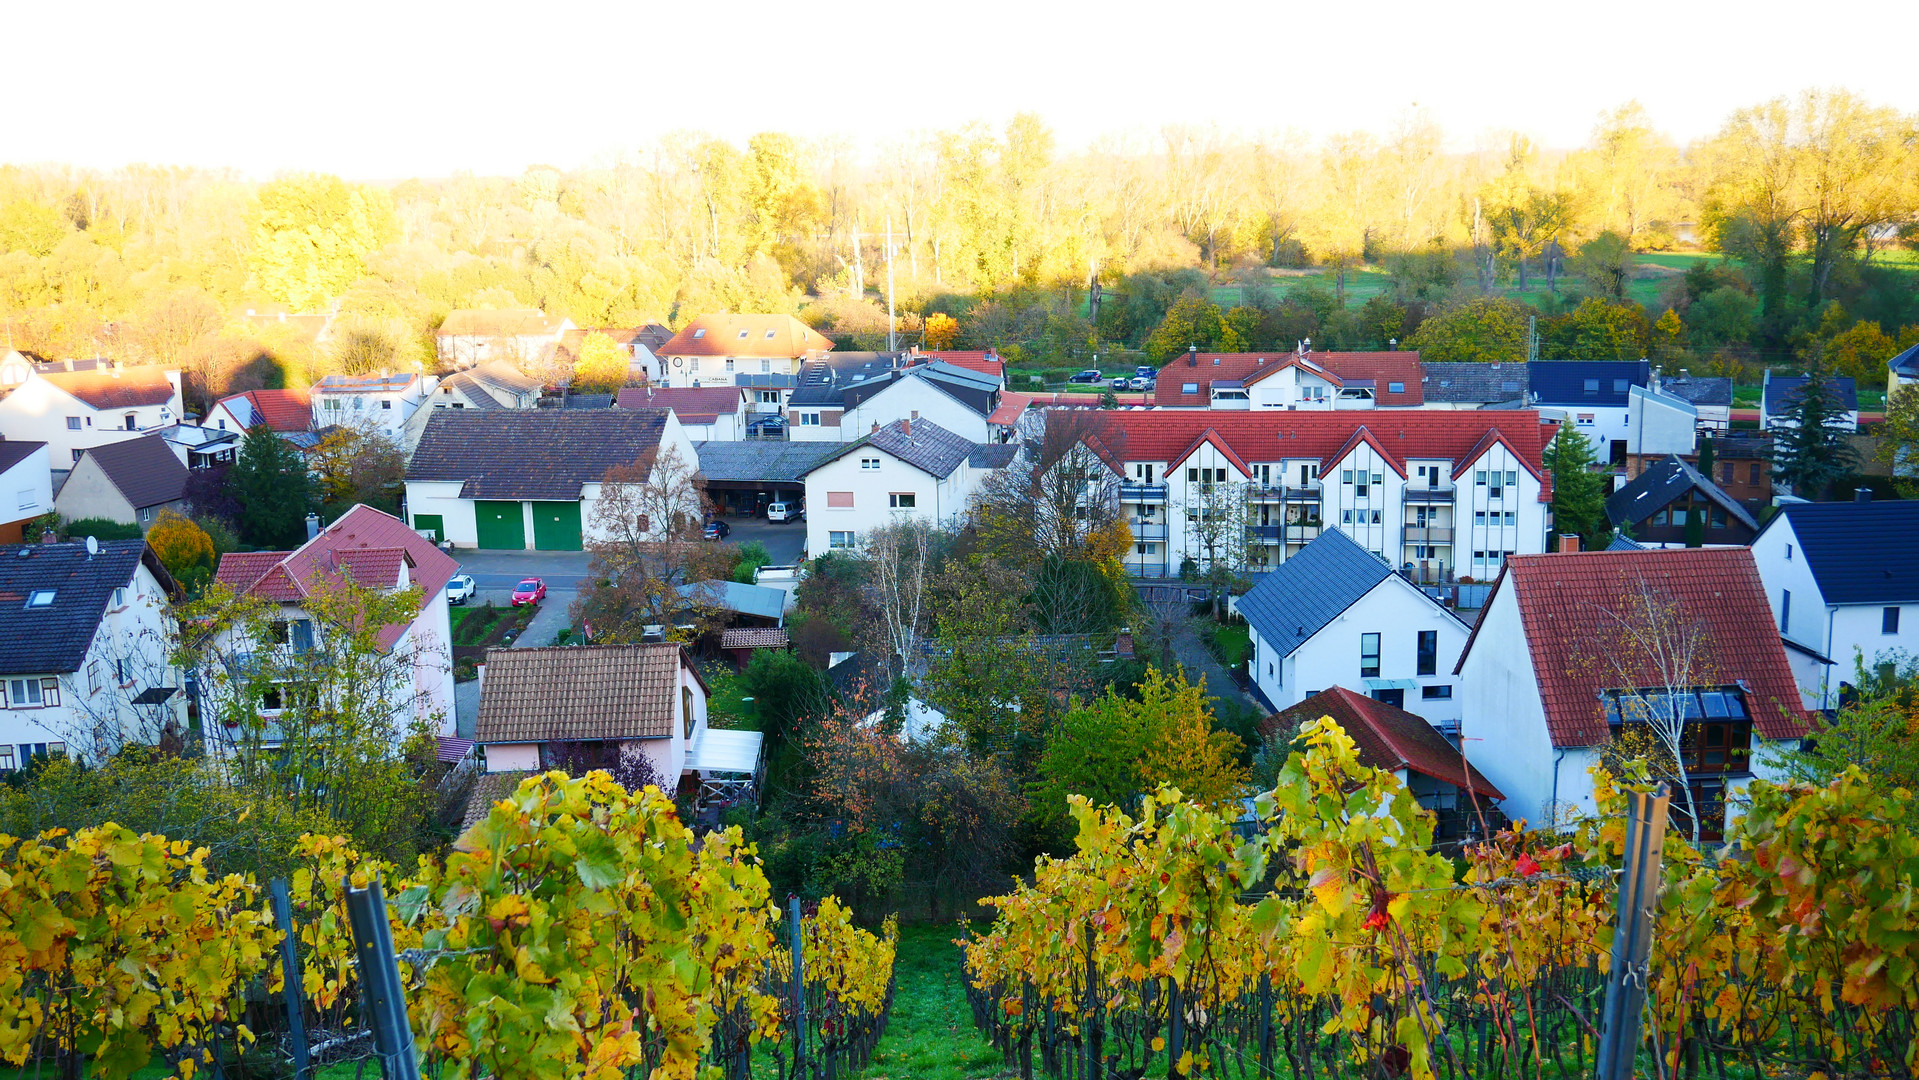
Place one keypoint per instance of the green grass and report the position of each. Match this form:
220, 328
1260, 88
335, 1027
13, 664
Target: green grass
726, 704
1231, 643
930, 1035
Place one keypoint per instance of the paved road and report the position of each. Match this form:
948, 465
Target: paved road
784, 540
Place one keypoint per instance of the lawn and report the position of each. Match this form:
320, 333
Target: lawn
930, 1035
727, 706
1230, 643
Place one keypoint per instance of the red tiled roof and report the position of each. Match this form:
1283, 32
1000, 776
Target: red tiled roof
115, 388
1564, 600
754, 637
1271, 436
1390, 738
721, 337
692, 404
281, 410
1383, 368
364, 542
986, 363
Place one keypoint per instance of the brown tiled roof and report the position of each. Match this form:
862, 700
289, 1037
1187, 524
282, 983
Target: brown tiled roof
506, 322
719, 335
145, 470
1565, 601
1389, 738
597, 692
488, 790
14, 451
754, 637
1382, 368
692, 404
110, 388
532, 453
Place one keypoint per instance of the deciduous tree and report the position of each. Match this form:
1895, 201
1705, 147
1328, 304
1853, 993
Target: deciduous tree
602, 367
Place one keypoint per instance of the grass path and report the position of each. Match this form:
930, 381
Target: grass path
930, 1035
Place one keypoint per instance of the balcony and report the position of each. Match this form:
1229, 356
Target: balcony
1133, 492
1149, 530
1428, 534
1283, 492
1429, 495
1276, 534
1264, 534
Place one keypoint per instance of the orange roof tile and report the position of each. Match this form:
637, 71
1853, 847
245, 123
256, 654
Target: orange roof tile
745, 335
115, 388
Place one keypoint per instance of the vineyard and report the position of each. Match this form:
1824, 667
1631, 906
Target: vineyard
577, 931
1334, 944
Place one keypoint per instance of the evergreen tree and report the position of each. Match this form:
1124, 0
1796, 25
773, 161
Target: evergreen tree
1579, 494
269, 481
1708, 457
1810, 452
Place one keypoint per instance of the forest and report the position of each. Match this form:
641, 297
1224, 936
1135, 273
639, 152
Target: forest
1786, 238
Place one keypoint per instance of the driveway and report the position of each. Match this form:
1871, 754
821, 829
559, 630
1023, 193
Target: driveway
784, 540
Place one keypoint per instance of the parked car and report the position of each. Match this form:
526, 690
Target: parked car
530, 591
715, 530
1119, 382
1147, 373
785, 512
460, 589
1143, 384
1091, 375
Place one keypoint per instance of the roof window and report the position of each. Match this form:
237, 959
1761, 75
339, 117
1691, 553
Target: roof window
769, 335
742, 334
1619, 386
1592, 386
700, 333
40, 598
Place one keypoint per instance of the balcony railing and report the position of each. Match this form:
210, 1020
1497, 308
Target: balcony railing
1142, 493
1274, 534
1149, 530
1429, 494
1429, 534
1284, 492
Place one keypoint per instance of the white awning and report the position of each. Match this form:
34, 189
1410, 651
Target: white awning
720, 751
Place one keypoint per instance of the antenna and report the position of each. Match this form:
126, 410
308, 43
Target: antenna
93, 547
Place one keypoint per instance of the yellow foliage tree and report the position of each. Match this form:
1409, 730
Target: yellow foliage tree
183, 546
941, 331
602, 366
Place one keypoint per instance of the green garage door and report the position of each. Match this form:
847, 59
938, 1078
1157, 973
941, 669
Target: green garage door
500, 525
556, 526
434, 524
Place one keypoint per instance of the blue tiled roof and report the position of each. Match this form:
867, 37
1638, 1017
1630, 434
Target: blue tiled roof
1859, 553
1782, 389
1564, 382
1309, 590
1906, 363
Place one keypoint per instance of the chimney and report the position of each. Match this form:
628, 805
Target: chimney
1568, 544
1192, 356
906, 427
48, 536
1862, 495
876, 428
313, 526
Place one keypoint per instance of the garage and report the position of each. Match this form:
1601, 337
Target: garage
556, 526
499, 525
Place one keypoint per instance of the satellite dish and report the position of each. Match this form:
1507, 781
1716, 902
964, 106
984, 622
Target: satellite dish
93, 547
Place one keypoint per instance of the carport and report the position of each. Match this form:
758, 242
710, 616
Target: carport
745, 477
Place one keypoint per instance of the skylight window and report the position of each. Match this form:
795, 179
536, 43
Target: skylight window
742, 334
769, 335
40, 598
700, 333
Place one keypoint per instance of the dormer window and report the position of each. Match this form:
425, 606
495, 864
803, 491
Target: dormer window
40, 598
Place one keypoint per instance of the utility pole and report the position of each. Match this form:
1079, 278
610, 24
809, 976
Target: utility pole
891, 324
1532, 338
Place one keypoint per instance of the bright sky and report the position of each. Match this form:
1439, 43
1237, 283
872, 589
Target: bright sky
393, 89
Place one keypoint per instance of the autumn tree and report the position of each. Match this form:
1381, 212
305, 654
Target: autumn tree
358, 464
602, 367
647, 556
941, 331
1899, 439
1482, 330
184, 549
312, 235
1059, 496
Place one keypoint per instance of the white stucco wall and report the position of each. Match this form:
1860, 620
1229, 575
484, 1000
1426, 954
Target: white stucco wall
512, 757
937, 500
1660, 423
26, 489
38, 411
1807, 620
912, 398
1503, 724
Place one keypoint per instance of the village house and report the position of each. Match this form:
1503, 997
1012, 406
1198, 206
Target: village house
1841, 579
530, 479
1710, 396
1336, 614
380, 403
497, 384
1779, 395
73, 410
1438, 494
471, 336
1566, 659
374, 550
129, 482
1741, 465
640, 343
1616, 406
1467, 385
762, 353
284, 411
907, 470
1296, 380
957, 399
708, 413
85, 641
1671, 504
985, 362
26, 487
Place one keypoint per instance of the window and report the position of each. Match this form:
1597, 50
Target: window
1717, 518
73, 423
729, 363
1395, 697
1189, 388
40, 598
1753, 478
1619, 386
1479, 517
646, 523
1346, 476
769, 397
93, 677
1788, 552
1395, 387
686, 709
1512, 517
1436, 693
1512, 479
33, 693
839, 500
76, 456
1889, 621
1147, 511
742, 335
1585, 419
1479, 478
1591, 387
766, 366
386, 403
1726, 473
1345, 517
901, 500
1376, 517
1146, 549
769, 335
700, 333
28, 500
693, 365
838, 540
6, 758
303, 635
120, 598
871, 463
1785, 610
809, 419
1428, 652
1369, 656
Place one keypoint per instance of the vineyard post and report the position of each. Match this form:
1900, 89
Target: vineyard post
1632, 933
381, 996
799, 989
293, 992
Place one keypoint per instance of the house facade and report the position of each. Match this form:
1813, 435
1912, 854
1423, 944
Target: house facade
1594, 396
129, 482
84, 649
285, 411
378, 551
1843, 588
1336, 615
379, 402
1779, 393
707, 413
26, 487
763, 352
1671, 504
531, 479
907, 470
1441, 495
73, 410
470, 336
1565, 660
1299, 380
954, 398
1710, 397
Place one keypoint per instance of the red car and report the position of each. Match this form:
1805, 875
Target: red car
530, 591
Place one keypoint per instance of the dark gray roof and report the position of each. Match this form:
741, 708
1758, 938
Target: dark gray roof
1741, 447
824, 381
54, 639
1565, 382
532, 453
1906, 363
144, 469
1462, 383
1699, 390
929, 448
763, 461
764, 382
1859, 553
759, 601
14, 451
1310, 589
1661, 483
588, 401
993, 455
1781, 390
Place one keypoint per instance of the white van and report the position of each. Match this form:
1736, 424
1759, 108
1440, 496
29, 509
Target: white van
780, 511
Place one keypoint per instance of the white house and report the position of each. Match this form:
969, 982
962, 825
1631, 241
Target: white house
708, 413
1559, 664
376, 550
26, 487
1710, 397
954, 398
1297, 380
1440, 494
285, 411
1779, 393
129, 482
496, 384
84, 646
1336, 614
73, 410
760, 351
1594, 396
471, 336
908, 470
381, 402
530, 479
1844, 587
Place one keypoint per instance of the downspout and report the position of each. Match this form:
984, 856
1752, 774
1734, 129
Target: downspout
1558, 756
1825, 681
